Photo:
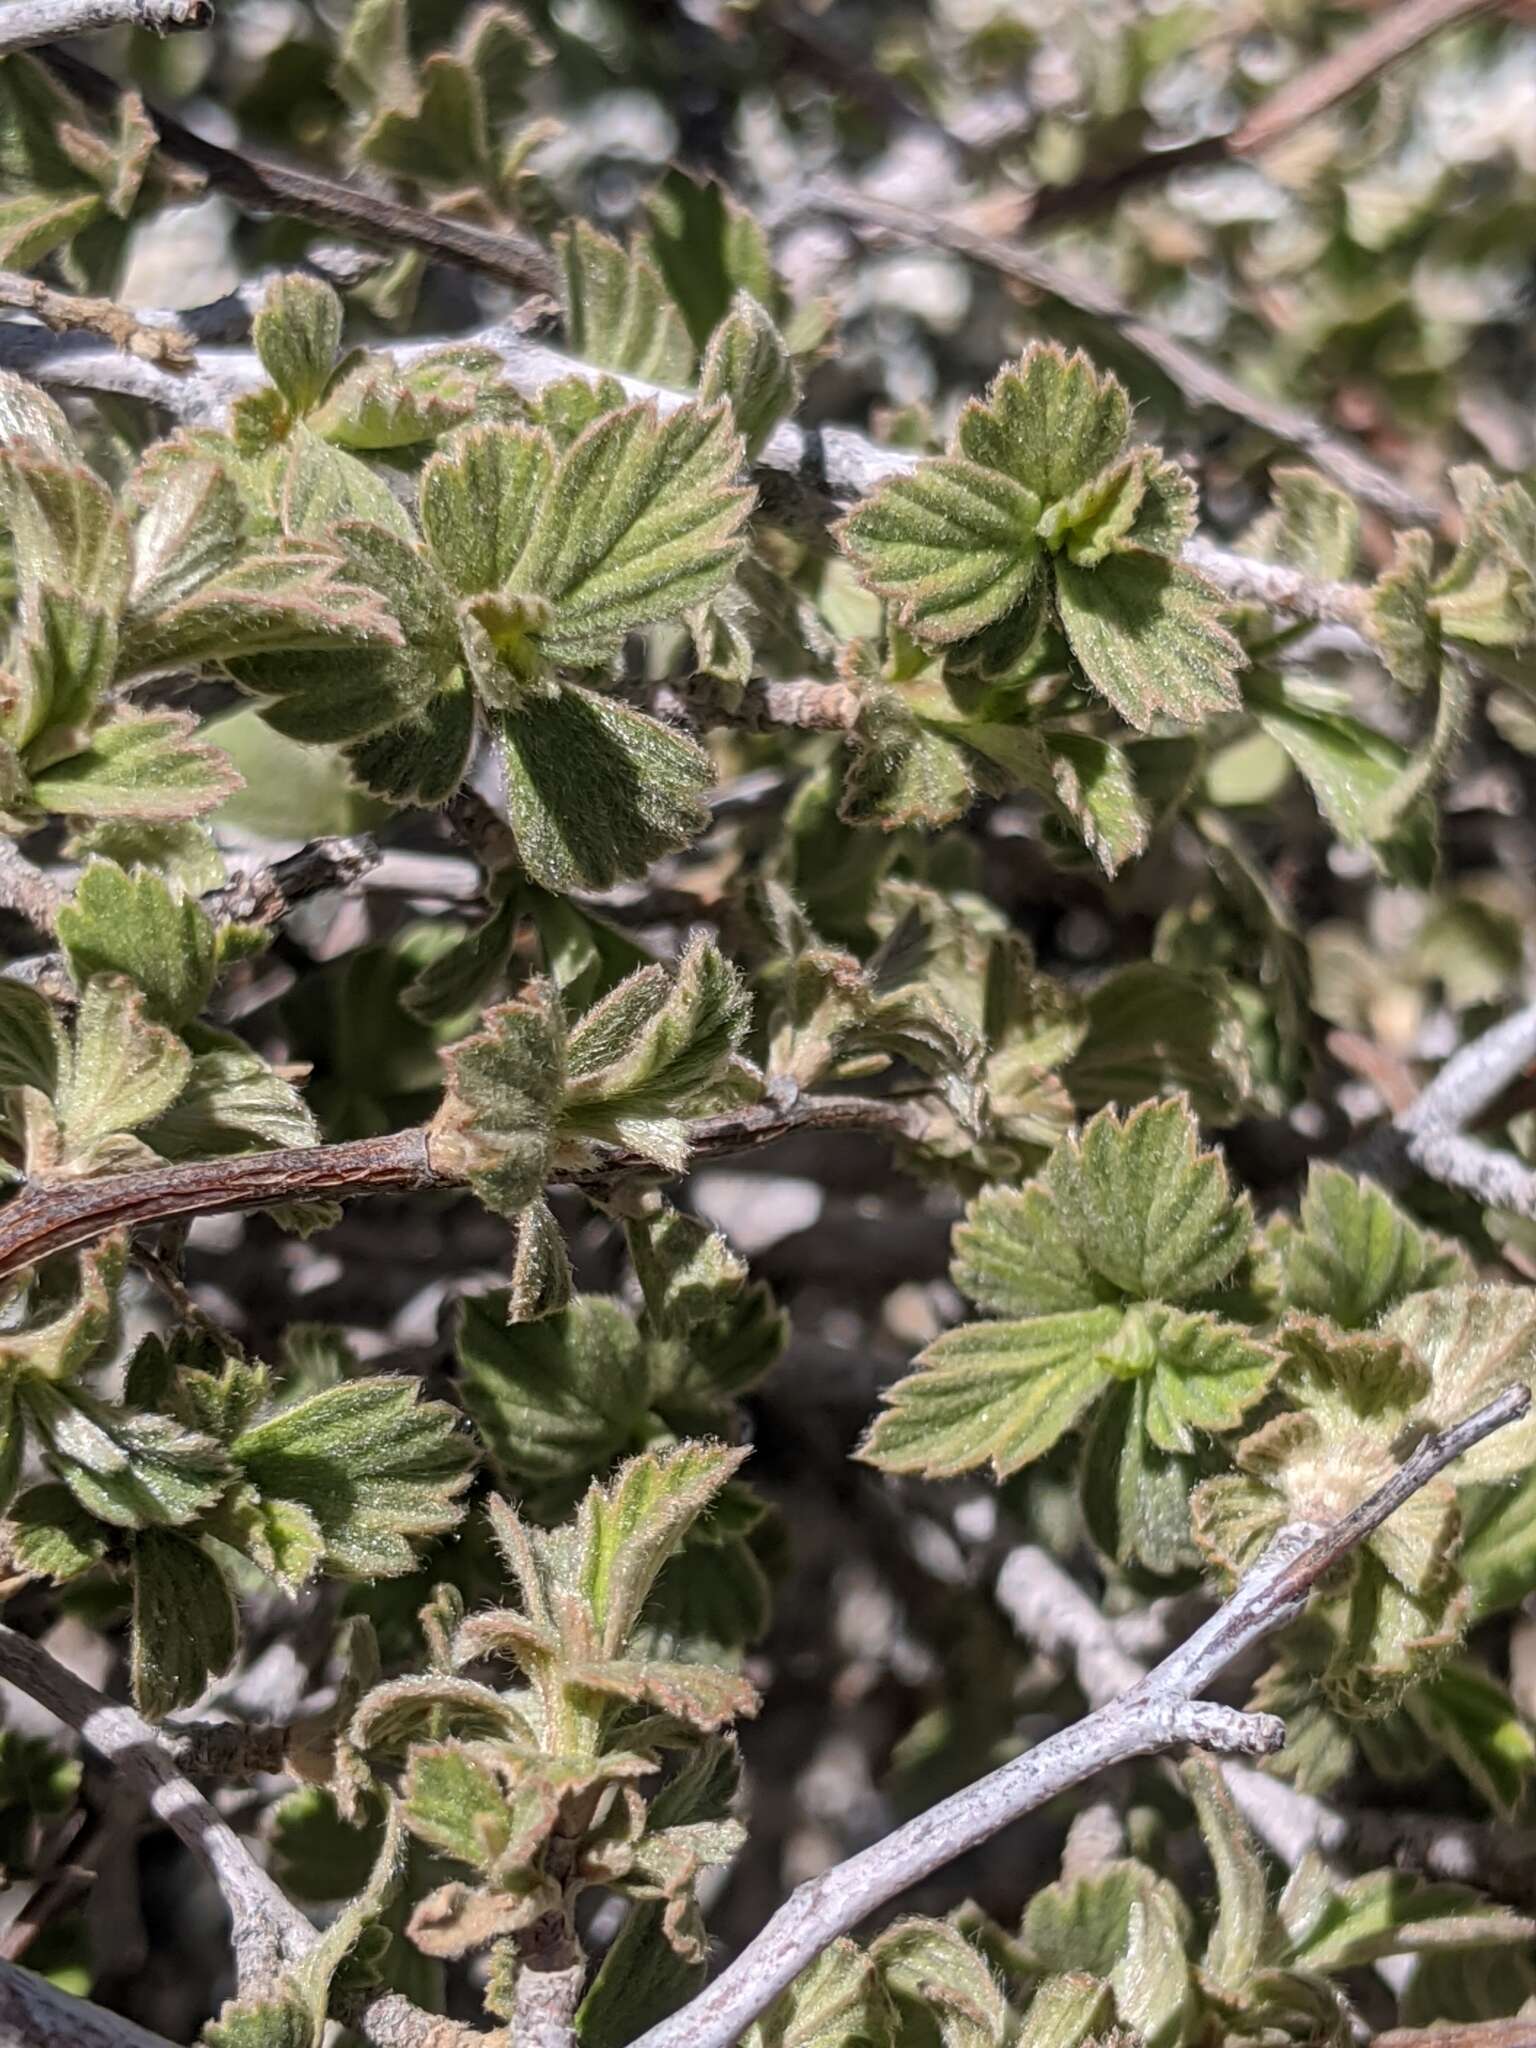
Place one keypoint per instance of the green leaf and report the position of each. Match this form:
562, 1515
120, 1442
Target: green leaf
1354, 1254
281, 2022
1474, 1341
936, 1979
1067, 2011
378, 1468
1473, 1720
998, 1393
296, 333
1497, 1558
554, 1399
50, 1533
627, 1530
652, 1052
1146, 633
1050, 420
456, 1805
505, 1086
33, 1049
139, 925
479, 498
1126, 1925
642, 520
322, 485
838, 2002
1315, 527
1390, 1913
1158, 1030
951, 545
1397, 612
376, 404
641, 1979
1243, 1935
618, 313
559, 750
123, 1071
143, 765
541, 1267
1130, 1210
1207, 1376
748, 363
233, 1102
186, 1628
703, 1695
130, 1470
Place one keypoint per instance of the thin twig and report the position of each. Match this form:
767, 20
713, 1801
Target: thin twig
1199, 381
266, 187
806, 477
24, 24
1323, 85
48, 1217
1156, 1714
68, 313
266, 1930
1433, 1129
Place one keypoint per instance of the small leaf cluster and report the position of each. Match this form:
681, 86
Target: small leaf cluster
1116, 1953
535, 1093
1133, 1303
541, 1789
204, 1459
136, 1076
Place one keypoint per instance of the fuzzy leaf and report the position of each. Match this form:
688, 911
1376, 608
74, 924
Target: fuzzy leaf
541, 1267
627, 1529
1474, 1342
748, 363
1146, 633
935, 1978
496, 1121
1243, 1934
143, 765
456, 1805
554, 1399
1315, 526
376, 1466
1068, 2010
1207, 1376
296, 333
479, 496
642, 521
123, 1069
703, 1695
133, 1471
952, 546
837, 2002
618, 313
232, 1102
648, 1055
1124, 1924
1390, 1913
1050, 420
1472, 1719
186, 1628
559, 750
1355, 1254
50, 1533
1131, 1209
998, 1393
136, 924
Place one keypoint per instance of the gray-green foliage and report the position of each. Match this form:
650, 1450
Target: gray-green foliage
1105, 881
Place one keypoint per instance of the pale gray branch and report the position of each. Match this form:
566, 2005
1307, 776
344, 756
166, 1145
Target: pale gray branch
266, 1930
26, 23
1433, 1129
35, 2014
807, 476
1155, 1714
